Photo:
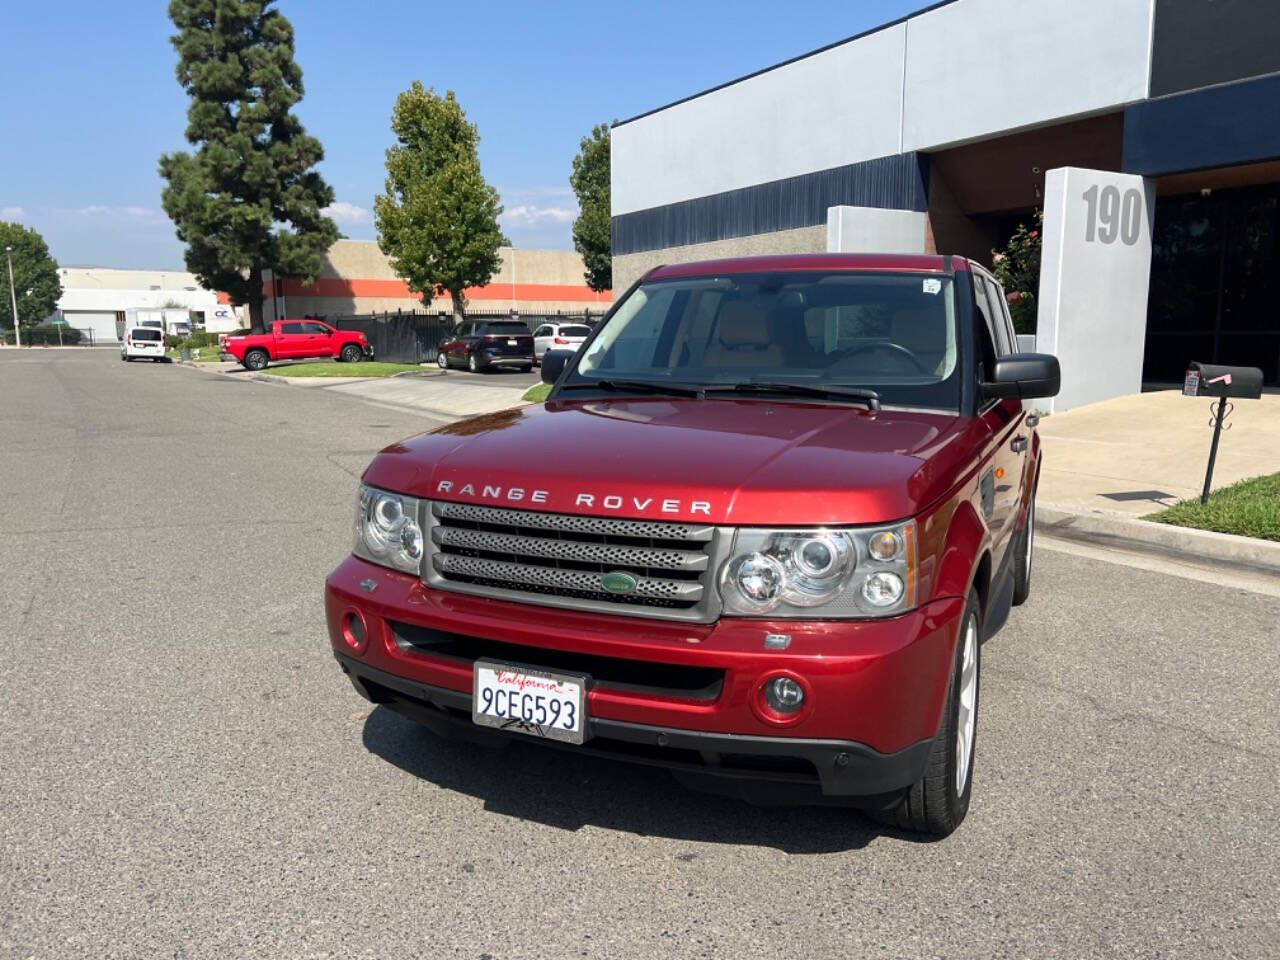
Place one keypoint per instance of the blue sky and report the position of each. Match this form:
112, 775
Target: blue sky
89, 98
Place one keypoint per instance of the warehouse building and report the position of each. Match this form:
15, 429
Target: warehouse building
92, 298
357, 279
1147, 131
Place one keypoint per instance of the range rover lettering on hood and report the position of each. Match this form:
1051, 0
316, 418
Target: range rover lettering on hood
542, 498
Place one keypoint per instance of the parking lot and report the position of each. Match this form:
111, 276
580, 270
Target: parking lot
187, 773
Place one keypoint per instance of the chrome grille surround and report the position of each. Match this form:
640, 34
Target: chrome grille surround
561, 560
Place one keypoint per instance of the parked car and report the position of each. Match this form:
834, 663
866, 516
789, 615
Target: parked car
145, 342
757, 533
556, 336
297, 340
487, 344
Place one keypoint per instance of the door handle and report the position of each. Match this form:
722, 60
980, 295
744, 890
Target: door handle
1019, 444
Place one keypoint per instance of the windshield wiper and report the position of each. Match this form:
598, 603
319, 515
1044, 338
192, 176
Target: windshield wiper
637, 386
864, 394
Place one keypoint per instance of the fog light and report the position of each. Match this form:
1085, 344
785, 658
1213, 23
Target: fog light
353, 631
783, 695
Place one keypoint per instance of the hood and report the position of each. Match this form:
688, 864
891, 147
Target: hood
739, 461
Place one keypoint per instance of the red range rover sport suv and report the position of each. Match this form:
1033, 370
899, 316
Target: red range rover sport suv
756, 535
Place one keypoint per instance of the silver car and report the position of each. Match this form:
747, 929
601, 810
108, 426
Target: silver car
558, 336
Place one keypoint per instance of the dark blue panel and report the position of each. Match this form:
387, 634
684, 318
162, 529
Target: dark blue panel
1217, 127
895, 183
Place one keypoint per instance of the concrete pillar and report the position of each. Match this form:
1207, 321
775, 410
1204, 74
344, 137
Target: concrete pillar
1095, 270
874, 230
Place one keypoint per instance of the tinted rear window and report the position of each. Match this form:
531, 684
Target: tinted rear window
145, 333
507, 329
574, 331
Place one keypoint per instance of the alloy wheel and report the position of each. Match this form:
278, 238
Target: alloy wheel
967, 708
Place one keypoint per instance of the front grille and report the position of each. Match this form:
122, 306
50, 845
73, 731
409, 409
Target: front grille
565, 560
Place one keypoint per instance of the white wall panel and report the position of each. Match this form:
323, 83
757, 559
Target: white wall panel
834, 108
870, 230
979, 67
1095, 270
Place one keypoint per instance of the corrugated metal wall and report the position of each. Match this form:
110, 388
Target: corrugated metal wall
895, 183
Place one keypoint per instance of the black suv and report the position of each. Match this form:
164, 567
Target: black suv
486, 344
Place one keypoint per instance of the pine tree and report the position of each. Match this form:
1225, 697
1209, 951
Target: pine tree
253, 164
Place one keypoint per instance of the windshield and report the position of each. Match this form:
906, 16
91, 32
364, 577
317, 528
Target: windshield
894, 334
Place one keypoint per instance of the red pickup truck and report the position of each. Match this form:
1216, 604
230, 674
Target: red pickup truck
756, 534
297, 340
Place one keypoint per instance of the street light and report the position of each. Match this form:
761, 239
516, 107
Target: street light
13, 295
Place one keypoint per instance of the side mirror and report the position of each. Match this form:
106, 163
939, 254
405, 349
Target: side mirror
553, 364
1025, 376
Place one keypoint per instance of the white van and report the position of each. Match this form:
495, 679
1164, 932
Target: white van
142, 342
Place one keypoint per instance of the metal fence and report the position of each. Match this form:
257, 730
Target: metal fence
414, 337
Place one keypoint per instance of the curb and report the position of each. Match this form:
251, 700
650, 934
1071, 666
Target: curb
1122, 531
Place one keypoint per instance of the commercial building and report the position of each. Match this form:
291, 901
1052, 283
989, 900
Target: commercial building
357, 279
1147, 131
92, 297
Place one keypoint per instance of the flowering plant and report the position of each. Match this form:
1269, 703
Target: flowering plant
1017, 267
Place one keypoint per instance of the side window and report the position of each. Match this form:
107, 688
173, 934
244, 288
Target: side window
316, 328
1005, 338
982, 331
291, 328
994, 321
1003, 304
543, 331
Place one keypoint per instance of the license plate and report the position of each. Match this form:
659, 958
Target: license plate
513, 343
525, 700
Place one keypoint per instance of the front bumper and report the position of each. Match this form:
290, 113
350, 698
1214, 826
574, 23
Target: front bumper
875, 689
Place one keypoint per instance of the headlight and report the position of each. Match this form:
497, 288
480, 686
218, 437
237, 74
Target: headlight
823, 573
387, 530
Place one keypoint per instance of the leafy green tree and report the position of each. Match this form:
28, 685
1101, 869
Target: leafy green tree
438, 219
253, 167
592, 234
35, 276
1017, 267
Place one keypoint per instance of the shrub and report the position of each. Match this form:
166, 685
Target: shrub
172, 340
1017, 267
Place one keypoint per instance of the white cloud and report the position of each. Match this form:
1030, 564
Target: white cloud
130, 213
530, 215
348, 214
12, 213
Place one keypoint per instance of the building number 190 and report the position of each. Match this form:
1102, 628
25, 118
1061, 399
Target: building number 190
1112, 215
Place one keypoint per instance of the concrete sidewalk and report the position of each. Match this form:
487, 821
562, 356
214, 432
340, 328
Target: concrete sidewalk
1134, 455
440, 395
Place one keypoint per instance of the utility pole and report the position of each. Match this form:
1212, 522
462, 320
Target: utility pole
13, 296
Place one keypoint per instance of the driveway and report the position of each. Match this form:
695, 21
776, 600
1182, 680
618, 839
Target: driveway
187, 773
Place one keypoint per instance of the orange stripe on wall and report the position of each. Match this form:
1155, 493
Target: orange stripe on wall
398, 289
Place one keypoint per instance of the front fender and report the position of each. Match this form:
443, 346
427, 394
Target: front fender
967, 539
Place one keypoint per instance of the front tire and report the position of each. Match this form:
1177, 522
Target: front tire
350, 353
1022, 559
938, 802
472, 365
256, 360
441, 360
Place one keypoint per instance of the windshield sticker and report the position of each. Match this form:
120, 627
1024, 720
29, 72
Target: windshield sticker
932, 286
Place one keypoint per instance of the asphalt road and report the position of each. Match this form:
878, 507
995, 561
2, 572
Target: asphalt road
185, 773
